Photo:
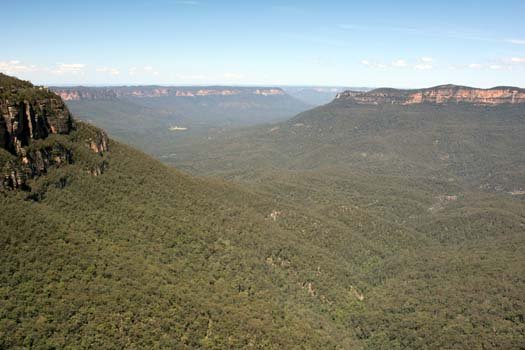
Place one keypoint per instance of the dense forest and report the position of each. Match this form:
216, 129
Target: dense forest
346, 227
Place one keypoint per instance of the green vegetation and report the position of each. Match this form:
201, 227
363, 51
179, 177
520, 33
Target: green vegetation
347, 227
145, 122
444, 173
7, 82
14, 88
144, 256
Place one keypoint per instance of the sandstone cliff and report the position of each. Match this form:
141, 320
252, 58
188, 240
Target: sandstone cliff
36, 134
444, 94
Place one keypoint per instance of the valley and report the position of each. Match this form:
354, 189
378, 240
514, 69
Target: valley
351, 225
262, 175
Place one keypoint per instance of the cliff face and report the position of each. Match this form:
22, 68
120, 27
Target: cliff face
444, 94
85, 93
35, 134
26, 118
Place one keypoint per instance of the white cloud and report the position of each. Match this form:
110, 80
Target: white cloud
495, 66
425, 63
516, 41
14, 67
399, 63
373, 64
71, 66
112, 71
475, 66
68, 68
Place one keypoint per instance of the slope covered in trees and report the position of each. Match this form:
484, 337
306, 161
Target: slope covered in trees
310, 250
451, 173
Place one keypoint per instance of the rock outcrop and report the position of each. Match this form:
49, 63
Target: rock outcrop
26, 118
99, 143
35, 126
444, 94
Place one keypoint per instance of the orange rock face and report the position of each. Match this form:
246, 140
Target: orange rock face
445, 94
476, 96
84, 93
69, 95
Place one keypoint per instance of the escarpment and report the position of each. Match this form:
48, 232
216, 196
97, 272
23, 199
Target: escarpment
38, 133
444, 94
81, 93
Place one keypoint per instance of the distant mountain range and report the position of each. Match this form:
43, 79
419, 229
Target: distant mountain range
210, 106
150, 116
310, 95
80, 93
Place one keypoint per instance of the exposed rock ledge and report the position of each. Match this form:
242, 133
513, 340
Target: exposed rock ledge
35, 130
444, 94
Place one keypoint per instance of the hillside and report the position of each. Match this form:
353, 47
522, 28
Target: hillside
136, 254
301, 256
451, 172
143, 256
478, 145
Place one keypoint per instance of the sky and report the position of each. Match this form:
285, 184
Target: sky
323, 43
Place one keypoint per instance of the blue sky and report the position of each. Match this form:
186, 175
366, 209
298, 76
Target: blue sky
344, 43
